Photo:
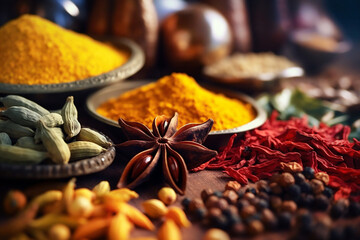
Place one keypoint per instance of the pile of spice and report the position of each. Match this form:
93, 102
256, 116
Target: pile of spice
82, 213
248, 65
262, 151
296, 199
36, 51
178, 93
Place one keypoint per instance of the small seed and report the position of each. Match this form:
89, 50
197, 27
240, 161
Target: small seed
216, 234
154, 208
174, 168
167, 195
140, 166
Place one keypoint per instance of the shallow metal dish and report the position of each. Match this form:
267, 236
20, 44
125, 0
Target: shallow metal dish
134, 64
55, 171
260, 82
219, 138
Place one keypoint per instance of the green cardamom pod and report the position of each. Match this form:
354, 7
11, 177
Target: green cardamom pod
15, 100
37, 137
69, 114
52, 120
19, 155
29, 142
57, 148
87, 134
21, 115
15, 130
5, 139
84, 149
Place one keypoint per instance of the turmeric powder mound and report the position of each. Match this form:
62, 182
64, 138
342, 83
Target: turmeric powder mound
36, 51
178, 93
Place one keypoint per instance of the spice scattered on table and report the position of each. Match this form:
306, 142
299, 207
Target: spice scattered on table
32, 134
36, 51
82, 213
325, 149
296, 199
175, 151
178, 93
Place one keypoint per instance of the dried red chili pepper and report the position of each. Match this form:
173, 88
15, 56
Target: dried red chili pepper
326, 149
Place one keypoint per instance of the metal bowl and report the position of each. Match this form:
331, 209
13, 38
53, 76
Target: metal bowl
57, 171
134, 64
216, 139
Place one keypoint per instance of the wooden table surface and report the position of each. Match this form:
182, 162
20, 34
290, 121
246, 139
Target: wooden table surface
196, 181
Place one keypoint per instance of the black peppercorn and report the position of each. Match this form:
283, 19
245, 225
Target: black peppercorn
238, 229
212, 201
338, 209
328, 192
200, 213
219, 222
320, 232
233, 219
354, 209
304, 221
242, 203
309, 172
248, 211
249, 196
219, 194
299, 178
261, 204
255, 227
269, 219
251, 190
206, 193
321, 202
317, 186
286, 179
284, 220
305, 187
293, 192
275, 188
195, 204
275, 203
231, 196
263, 195
305, 200
350, 232
185, 202
336, 234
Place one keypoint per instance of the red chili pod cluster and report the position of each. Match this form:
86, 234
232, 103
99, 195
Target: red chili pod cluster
326, 149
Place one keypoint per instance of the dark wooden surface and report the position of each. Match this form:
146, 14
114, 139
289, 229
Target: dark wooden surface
196, 181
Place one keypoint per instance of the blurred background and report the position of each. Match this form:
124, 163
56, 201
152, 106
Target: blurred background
186, 35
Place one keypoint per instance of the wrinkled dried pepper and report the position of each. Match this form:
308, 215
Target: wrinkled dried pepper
326, 149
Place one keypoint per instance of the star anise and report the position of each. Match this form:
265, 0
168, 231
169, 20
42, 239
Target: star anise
175, 151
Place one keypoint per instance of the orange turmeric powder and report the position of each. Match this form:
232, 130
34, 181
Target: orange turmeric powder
178, 93
36, 51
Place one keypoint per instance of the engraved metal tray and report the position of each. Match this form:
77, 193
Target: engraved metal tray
56, 171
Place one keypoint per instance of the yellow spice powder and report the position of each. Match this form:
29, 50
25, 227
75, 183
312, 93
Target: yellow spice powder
36, 51
178, 93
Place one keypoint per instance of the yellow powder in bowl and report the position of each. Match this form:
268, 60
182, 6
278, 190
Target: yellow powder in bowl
178, 93
36, 51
